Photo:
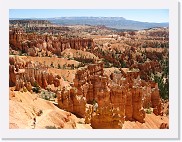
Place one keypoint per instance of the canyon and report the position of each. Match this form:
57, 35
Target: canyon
87, 80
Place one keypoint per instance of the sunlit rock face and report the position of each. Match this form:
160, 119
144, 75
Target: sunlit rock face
39, 45
114, 101
28, 74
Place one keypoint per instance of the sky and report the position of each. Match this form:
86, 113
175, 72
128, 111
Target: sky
143, 15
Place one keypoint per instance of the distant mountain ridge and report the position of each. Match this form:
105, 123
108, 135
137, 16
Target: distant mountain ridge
111, 22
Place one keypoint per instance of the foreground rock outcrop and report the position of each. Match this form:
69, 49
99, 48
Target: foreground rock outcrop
115, 99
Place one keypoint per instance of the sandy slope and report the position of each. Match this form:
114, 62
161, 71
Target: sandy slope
24, 107
151, 122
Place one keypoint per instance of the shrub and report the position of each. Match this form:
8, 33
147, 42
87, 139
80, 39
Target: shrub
64, 66
47, 97
36, 88
59, 66
64, 78
79, 122
123, 64
52, 127
148, 111
163, 87
40, 113
80, 65
24, 89
20, 53
54, 95
52, 65
107, 64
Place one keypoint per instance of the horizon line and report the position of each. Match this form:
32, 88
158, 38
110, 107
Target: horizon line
32, 18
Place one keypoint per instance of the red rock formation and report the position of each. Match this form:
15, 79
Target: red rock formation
122, 98
32, 44
138, 111
72, 100
147, 68
12, 76
27, 74
129, 106
89, 110
155, 99
105, 118
164, 126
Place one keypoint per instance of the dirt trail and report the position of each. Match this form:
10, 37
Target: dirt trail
39, 119
24, 107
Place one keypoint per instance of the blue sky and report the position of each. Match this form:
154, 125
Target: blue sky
144, 15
